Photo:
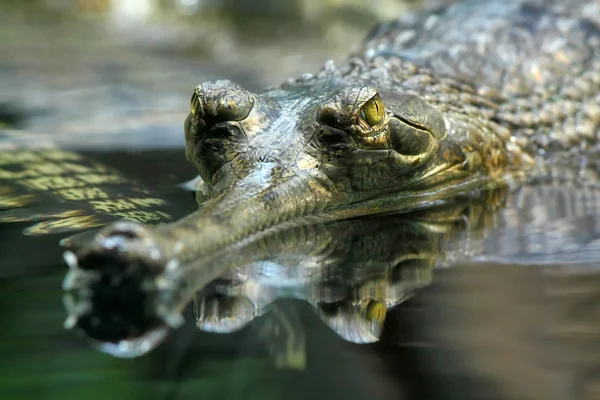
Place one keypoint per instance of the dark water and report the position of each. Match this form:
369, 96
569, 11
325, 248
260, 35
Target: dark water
296, 304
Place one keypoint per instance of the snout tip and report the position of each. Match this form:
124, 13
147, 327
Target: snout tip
113, 290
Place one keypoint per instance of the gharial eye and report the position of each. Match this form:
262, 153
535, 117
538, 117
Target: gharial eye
195, 102
372, 112
375, 311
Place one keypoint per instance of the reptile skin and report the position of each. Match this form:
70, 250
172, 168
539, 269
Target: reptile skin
470, 96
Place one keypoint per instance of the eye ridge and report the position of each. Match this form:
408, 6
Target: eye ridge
413, 124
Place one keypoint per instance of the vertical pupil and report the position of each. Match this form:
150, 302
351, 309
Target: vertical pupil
373, 112
195, 103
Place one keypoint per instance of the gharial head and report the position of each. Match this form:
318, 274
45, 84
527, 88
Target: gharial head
295, 154
355, 142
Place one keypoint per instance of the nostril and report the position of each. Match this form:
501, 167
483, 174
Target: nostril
335, 141
122, 246
126, 229
125, 234
121, 234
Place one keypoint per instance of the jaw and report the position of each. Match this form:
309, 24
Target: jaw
273, 195
270, 198
376, 181
158, 261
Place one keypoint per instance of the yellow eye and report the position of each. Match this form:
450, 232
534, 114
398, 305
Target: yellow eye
376, 311
372, 112
194, 103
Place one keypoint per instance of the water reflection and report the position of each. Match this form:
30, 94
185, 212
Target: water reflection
511, 312
61, 191
351, 272
506, 294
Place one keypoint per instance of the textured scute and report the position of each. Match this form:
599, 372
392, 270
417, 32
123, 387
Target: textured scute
542, 56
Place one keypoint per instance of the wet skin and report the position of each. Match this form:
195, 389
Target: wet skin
405, 123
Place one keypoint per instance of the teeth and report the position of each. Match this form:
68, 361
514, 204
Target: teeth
172, 265
77, 279
163, 283
174, 320
69, 283
69, 304
70, 322
70, 259
178, 248
198, 308
171, 318
75, 310
154, 254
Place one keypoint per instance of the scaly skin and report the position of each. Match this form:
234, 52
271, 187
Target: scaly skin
471, 96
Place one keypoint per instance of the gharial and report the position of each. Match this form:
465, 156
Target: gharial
462, 97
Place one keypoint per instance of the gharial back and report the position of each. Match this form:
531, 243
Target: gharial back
538, 59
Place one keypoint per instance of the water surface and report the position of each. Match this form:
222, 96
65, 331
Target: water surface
493, 295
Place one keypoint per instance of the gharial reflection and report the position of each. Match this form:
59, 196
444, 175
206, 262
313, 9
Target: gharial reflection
352, 272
